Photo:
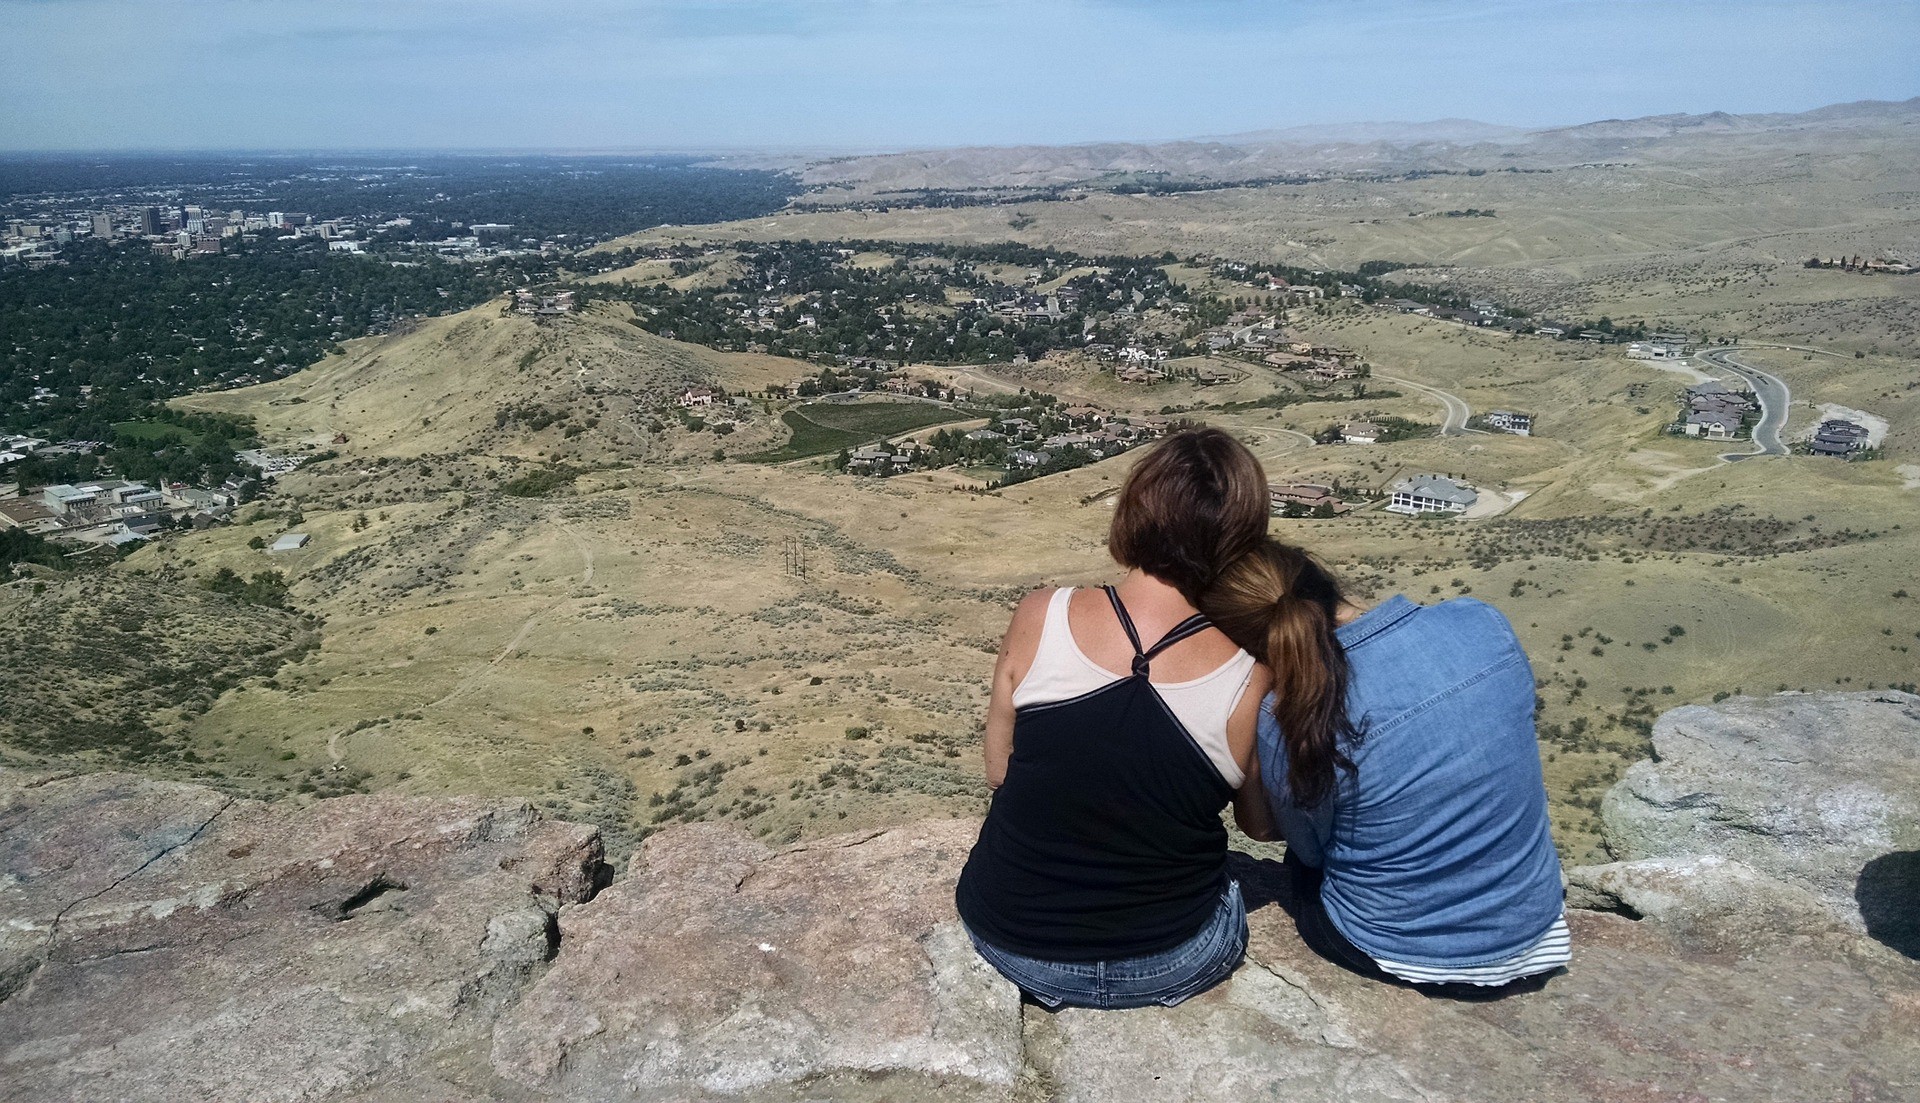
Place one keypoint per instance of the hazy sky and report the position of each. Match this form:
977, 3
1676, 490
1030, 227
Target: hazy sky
228, 74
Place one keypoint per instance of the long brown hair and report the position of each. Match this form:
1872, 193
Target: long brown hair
1197, 502
1282, 606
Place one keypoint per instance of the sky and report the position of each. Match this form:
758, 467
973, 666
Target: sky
893, 74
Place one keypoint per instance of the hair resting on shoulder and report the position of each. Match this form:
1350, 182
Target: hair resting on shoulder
1196, 502
1280, 605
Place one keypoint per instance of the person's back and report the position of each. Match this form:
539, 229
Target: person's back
1105, 840
1119, 727
1436, 849
1399, 756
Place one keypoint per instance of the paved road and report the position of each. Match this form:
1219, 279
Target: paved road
1457, 410
1274, 442
1769, 389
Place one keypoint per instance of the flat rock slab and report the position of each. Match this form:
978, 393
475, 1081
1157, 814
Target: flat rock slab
1819, 791
227, 949
717, 968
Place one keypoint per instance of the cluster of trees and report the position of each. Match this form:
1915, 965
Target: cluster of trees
541, 481
853, 378
1058, 460
182, 446
818, 306
20, 546
137, 327
268, 588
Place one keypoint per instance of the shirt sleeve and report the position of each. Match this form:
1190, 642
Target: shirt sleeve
1307, 831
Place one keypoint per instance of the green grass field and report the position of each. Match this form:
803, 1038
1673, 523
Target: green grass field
155, 432
820, 428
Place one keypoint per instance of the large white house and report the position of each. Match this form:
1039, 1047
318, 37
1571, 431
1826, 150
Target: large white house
1507, 421
1431, 494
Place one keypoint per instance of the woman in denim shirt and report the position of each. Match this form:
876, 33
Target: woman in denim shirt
1399, 756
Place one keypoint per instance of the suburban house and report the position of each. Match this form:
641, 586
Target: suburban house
1506, 421
1024, 458
1836, 437
1716, 413
1072, 440
1431, 494
1715, 426
696, 396
1359, 432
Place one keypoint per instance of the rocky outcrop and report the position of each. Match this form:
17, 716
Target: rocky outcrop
720, 968
1755, 810
164, 942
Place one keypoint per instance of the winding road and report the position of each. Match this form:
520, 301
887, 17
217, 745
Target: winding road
1772, 394
1456, 408
1289, 440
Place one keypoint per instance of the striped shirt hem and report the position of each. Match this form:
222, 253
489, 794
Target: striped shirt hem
1554, 949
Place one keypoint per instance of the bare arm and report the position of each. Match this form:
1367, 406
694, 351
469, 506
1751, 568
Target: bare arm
1250, 809
1017, 649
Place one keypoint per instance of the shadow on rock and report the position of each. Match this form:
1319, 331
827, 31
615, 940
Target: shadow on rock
1888, 893
1263, 881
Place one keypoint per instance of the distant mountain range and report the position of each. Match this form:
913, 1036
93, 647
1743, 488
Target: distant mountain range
1439, 130
1334, 149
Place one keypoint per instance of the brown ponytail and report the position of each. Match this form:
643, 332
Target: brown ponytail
1281, 605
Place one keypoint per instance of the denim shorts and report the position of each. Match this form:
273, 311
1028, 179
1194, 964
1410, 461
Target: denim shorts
1165, 978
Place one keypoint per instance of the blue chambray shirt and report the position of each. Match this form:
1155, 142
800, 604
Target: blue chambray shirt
1436, 851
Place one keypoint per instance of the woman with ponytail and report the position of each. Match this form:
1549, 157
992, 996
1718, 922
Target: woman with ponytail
1121, 726
1397, 752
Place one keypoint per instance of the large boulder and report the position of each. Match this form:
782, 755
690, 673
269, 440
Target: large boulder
1819, 792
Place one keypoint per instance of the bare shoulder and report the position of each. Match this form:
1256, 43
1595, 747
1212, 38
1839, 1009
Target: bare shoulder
1260, 681
1031, 614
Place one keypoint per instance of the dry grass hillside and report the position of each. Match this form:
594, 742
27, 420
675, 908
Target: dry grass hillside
1706, 231
489, 383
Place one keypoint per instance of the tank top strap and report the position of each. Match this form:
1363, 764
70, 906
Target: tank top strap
1126, 622
1143, 657
1056, 638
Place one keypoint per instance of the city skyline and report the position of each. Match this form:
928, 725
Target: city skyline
889, 74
